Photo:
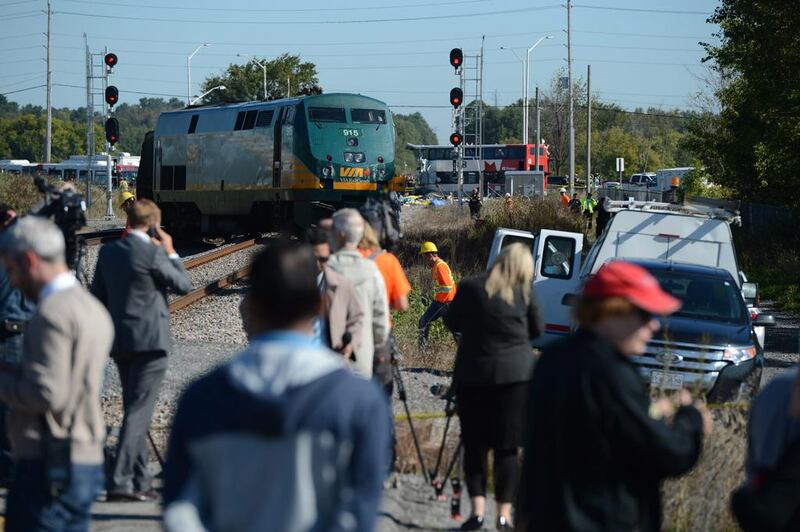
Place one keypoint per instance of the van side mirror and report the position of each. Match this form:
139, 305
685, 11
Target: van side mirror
764, 320
750, 292
570, 300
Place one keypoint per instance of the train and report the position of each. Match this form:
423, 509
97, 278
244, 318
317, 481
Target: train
267, 165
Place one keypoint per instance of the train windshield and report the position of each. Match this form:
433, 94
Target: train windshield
327, 114
368, 116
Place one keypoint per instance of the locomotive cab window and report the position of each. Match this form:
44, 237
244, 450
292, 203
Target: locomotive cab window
250, 119
289, 118
368, 116
326, 114
264, 118
239, 121
193, 124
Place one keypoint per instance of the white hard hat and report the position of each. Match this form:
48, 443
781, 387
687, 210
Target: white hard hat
562, 189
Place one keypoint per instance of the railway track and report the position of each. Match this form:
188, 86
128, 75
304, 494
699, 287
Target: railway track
197, 294
95, 238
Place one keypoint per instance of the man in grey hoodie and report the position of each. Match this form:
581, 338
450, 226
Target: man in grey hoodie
348, 228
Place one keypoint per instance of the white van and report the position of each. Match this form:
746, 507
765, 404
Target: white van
690, 234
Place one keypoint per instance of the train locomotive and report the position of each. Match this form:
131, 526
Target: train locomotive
263, 166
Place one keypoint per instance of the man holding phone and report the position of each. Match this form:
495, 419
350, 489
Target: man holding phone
132, 279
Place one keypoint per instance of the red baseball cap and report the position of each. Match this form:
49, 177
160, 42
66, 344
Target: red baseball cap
634, 283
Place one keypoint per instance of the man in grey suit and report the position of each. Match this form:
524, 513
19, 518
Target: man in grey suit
132, 278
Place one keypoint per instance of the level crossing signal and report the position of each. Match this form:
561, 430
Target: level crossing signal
112, 95
110, 60
455, 139
112, 130
456, 57
456, 97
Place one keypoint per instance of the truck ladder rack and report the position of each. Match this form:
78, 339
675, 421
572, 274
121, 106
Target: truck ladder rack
699, 207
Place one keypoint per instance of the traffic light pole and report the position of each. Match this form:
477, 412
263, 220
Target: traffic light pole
89, 122
460, 147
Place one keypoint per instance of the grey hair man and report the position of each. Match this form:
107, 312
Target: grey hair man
346, 233
55, 419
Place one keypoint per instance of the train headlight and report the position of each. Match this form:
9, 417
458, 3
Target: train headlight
348, 156
359, 157
326, 171
352, 141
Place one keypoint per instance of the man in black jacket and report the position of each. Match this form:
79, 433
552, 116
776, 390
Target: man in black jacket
595, 457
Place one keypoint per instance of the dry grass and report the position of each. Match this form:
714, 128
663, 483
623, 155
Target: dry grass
20, 192
697, 501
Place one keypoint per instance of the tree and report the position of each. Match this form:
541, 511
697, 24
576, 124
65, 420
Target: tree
751, 146
410, 129
245, 82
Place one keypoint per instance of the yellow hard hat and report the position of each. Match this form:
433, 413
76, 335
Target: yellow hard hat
428, 247
126, 196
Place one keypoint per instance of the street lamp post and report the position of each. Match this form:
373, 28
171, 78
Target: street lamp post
527, 84
189, 73
263, 67
209, 91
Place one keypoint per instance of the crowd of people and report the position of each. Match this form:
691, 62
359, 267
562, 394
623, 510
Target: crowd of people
296, 432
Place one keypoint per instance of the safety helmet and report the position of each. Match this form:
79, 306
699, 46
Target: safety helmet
428, 247
562, 190
125, 197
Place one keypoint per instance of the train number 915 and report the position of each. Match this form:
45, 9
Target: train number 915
351, 132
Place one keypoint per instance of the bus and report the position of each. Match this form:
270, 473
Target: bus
435, 172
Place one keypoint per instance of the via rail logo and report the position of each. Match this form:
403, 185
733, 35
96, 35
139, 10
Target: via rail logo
351, 172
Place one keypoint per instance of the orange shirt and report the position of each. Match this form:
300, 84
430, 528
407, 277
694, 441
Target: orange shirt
564, 200
444, 287
394, 277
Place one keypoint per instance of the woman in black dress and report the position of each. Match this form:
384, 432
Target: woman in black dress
497, 317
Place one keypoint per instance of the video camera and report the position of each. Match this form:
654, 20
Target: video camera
68, 209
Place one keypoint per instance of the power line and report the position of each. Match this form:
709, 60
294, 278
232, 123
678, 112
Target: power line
22, 90
642, 10
17, 3
23, 16
20, 48
122, 91
22, 82
296, 10
629, 34
18, 36
312, 22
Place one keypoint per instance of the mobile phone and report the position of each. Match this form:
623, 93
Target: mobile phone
152, 231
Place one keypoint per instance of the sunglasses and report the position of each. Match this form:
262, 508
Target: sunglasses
645, 316
323, 260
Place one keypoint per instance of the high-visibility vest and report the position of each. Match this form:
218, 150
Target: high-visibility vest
444, 288
588, 205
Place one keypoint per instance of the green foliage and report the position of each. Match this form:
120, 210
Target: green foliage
751, 146
647, 139
772, 258
23, 137
411, 129
245, 82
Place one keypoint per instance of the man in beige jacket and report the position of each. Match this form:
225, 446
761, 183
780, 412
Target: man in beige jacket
55, 421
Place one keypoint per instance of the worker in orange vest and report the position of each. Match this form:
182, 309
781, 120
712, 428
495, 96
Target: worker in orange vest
443, 292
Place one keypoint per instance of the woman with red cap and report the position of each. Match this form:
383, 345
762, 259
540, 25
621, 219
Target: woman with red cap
597, 450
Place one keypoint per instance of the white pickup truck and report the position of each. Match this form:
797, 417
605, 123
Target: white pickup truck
681, 234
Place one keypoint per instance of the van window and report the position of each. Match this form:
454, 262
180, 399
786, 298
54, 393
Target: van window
557, 258
511, 239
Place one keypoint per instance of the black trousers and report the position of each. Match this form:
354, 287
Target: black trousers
141, 375
506, 472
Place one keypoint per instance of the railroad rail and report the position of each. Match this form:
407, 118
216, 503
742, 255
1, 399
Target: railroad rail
199, 293
218, 254
95, 238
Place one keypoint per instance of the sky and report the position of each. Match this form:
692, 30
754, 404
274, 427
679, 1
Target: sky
644, 53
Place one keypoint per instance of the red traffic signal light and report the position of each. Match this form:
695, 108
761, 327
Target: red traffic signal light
112, 95
455, 139
456, 57
112, 131
456, 97
110, 60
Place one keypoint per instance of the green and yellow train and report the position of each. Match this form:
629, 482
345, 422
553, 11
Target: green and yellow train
261, 166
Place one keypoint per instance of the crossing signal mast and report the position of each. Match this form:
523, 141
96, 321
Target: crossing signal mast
457, 122
98, 68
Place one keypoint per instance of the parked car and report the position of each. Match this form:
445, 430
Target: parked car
643, 180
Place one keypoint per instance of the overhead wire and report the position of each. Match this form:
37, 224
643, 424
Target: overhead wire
21, 90
273, 10
313, 22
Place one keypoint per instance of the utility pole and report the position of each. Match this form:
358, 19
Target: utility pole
288, 87
588, 127
571, 103
48, 138
537, 143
